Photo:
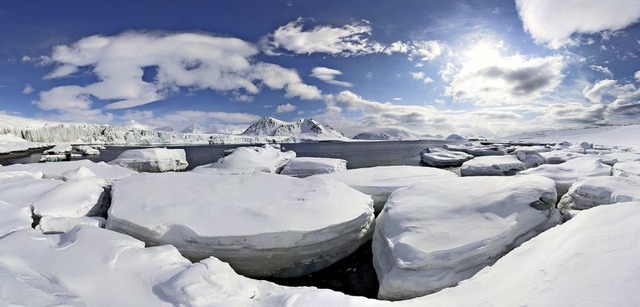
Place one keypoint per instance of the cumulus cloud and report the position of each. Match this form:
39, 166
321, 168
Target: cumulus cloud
183, 60
328, 75
284, 108
602, 69
487, 77
607, 88
553, 22
28, 89
637, 76
421, 76
426, 50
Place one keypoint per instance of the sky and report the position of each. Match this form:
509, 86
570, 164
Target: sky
477, 68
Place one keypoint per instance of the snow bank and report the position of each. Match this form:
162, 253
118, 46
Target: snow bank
249, 160
627, 169
262, 224
11, 143
589, 192
492, 166
567, 173
304, 167
72, 170
152, 160
73, 198
439, 157
13, 218
87, 266
381, 181
436, 233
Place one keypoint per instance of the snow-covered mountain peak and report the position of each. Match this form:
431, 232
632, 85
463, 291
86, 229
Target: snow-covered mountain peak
304, 128
387, 134
194, 128
132, 124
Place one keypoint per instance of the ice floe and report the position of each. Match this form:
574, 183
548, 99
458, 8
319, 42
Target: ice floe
13, 218
436, 233
49, 224
249, 160
627, 169
306, 166
492, 166
440, 157
152, 160
71, 170
589, 192
381, 181
262, 224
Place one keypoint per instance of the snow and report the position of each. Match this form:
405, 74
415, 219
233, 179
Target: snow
71, 170
249, 160
304, 166
607, 135
565, 174
304, 129
589, 192
492, 166
13, 218
381, 181
559, 156
49, 224
284, 226
530, 158
73, 198
627, 169
87, 150
87, 266
10, 143
439, 157
478, 150
436, 233
59, 149
152, 159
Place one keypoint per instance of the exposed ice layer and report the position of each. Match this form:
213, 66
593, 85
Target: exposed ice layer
589, 192
559, 156
262, 224
627, 169
478, 150
381, 181
87, 266
13, 218
439, 157
69, 169
249, 160
304, 166
153, 160
48, 224
436, 233
492, 166
565, 174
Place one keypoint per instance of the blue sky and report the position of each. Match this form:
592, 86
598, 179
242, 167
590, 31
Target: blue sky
437, 67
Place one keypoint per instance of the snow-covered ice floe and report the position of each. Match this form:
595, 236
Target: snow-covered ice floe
492, 166
627, 169
249, 160
49, 224
262, 224
478, 150
589, 192
565, 174
71, 170
88, 150
153, 160
87, 266
11, 143
559, 156
436, 233
381, 181
13, 218
307, 166
440, 157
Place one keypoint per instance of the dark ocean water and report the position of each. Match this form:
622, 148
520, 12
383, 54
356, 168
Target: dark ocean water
357, 154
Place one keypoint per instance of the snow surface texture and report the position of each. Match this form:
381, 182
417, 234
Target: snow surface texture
59, 149
304, 167
478, 150
87, 266
606, 135
11, 143
249, 160
492, 166
80, 169
559, 156
627, 169
381, 181
436, 233
589, 192
440, 157
567, 173
153, 160
284, 227
49, 224
13, 218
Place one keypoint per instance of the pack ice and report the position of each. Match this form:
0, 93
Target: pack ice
589, 192
262, 224
309, 166
249, 160
436, 233
152, 160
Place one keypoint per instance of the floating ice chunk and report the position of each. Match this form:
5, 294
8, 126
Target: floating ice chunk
381, 181
627, 169
528, 149
262, 224
439, 157
589, 192
567, 173
88, 150
153, 160
13, 218
436, 233
249, 160
48, 224
560, 156
304, 166
60, 149
478, 150
87, 266
492, 166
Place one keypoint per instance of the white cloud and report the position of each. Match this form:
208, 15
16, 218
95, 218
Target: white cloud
608, 90
602, 69
553, 22
347, 40
421, 76
328, 75
28, 89
485, 76
397, 99
184, 60
284, 108
637, 76
426, 50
